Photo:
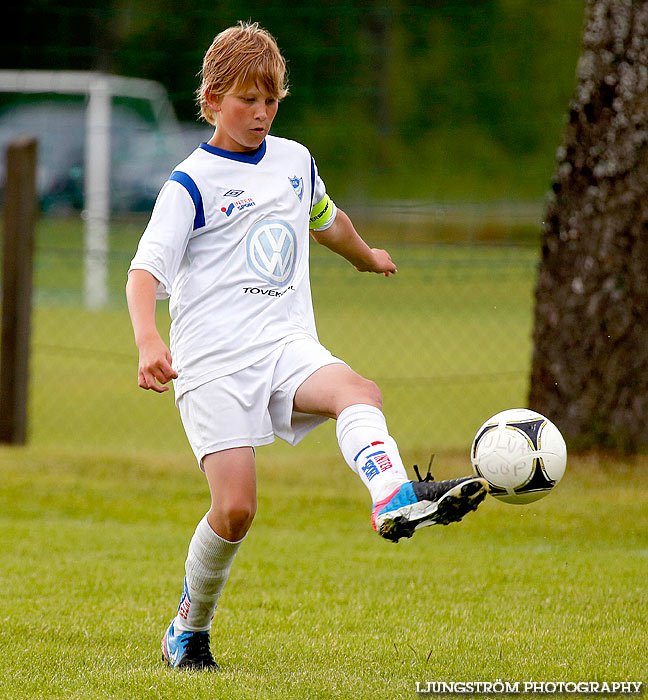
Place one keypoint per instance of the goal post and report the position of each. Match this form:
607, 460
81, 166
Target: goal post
96, 213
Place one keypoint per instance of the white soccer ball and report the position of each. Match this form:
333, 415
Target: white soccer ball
520, 453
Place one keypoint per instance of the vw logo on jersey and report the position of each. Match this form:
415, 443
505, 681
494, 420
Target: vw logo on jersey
272, 250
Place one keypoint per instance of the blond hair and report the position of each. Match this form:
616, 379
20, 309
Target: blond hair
239, 57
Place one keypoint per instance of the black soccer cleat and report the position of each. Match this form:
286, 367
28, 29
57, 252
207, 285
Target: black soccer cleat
188, 650
417, 504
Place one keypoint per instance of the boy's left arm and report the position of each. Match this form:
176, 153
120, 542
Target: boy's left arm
342, 238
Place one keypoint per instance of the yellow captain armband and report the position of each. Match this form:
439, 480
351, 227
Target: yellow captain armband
321, 213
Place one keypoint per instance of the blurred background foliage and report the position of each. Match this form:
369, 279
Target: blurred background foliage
445, 100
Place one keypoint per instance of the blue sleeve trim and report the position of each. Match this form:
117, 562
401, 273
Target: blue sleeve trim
191, 187
312, 180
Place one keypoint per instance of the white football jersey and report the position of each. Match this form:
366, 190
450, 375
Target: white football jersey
228, 241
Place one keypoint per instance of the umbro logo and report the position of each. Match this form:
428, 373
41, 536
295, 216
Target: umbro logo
233, 193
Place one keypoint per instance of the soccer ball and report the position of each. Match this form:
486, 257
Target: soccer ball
520, 453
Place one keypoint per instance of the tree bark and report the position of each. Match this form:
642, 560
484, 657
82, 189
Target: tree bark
590, 361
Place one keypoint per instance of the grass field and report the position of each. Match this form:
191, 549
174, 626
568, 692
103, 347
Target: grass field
317, 606
96, 514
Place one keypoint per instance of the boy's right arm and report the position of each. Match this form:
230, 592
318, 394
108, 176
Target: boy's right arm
155, 367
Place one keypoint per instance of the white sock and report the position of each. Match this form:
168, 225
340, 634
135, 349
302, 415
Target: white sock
370, 450
208, 564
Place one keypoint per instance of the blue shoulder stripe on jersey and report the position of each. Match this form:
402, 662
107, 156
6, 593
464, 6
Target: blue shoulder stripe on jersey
191, 187
252, 157
312, 180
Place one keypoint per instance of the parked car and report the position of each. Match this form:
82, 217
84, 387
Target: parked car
142, 153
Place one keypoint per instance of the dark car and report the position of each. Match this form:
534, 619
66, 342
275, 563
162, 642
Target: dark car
142, 154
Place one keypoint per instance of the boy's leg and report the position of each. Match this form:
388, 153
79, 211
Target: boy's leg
400, 506
231, 475
368, 448
232, 483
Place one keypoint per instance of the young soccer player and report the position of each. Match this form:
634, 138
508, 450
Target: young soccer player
228, 243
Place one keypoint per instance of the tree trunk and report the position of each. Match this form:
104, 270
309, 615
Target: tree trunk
590, 362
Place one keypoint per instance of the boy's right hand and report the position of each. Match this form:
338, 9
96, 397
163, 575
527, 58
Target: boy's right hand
155, 367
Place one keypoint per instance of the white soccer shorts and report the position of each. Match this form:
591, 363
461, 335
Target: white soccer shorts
249, 407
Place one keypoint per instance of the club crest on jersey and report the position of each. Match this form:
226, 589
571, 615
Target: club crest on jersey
298, 186
272, 251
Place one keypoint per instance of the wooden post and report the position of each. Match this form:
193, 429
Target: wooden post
19, 222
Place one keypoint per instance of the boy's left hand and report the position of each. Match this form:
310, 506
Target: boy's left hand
381, 262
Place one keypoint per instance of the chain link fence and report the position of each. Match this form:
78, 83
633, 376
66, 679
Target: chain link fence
448, 340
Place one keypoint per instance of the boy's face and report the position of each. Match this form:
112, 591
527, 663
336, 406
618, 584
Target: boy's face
243, 117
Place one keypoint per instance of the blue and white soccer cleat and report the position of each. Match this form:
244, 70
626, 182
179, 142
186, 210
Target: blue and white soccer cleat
417, 504
189, 650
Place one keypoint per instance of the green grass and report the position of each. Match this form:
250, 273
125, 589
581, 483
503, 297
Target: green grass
96, 514
317, 606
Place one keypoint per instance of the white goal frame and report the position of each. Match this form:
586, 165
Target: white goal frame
99, 88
